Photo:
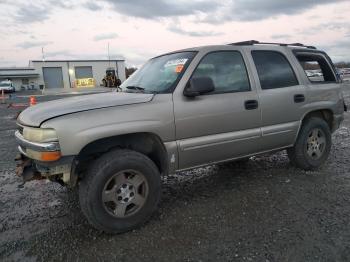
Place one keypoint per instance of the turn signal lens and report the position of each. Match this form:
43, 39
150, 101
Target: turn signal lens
50, 156
44, 156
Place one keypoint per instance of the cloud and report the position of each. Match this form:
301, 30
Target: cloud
65, 4
31, 13
253, 10
60, 53
209, 11
37, 11
30, 44
281, 36
92, 6
179, 30
333, 26
105, 36
153, 9
339, 50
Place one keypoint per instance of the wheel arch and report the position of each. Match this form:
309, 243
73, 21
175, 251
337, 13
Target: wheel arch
326, 114
323, 113
148, 144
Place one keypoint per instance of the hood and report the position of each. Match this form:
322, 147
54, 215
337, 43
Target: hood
36, 115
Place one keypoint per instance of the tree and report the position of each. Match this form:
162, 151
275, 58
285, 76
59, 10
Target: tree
342, 64
129, 71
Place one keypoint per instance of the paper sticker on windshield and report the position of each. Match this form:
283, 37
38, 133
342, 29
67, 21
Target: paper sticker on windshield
176, 62
179, 68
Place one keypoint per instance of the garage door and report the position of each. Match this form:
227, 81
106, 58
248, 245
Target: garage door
53, 77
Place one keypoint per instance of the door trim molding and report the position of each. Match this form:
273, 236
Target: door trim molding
217, 139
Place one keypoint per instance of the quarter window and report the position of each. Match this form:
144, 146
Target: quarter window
274, 70
226, 69
316, 67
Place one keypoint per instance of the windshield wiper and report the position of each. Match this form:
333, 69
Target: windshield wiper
137, 88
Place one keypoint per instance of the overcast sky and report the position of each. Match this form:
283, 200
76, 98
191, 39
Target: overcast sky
140, 29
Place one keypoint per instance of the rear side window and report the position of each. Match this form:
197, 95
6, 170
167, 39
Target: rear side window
316, 67
274, 70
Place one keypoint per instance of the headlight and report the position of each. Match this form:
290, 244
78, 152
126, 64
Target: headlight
39, 134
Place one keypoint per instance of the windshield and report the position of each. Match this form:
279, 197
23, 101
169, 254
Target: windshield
5, 84
160, 74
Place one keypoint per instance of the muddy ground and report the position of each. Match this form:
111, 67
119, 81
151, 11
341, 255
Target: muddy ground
264, 210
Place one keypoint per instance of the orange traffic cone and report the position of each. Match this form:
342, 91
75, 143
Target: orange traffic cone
2, 96
32, 101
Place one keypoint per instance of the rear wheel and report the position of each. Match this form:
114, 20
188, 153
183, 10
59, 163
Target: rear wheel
120, 191
313, 145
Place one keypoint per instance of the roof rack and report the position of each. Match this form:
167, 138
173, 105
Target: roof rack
255, 42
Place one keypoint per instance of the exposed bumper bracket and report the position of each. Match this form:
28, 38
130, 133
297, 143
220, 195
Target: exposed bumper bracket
26, 169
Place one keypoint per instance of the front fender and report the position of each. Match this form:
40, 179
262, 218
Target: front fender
77, 130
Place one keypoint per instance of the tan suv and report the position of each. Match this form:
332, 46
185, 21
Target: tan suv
179, 111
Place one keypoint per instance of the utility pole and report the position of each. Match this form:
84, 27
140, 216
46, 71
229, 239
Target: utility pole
43, 54
109, 58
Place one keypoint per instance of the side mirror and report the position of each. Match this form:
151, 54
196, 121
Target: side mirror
199, 86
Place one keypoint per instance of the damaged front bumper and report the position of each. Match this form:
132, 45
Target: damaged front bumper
60, 171
33, 169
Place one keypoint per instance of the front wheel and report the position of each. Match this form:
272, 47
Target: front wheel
313, 145
120, 191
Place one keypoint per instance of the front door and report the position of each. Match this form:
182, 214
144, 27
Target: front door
223, 124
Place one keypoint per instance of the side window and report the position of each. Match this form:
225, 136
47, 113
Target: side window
274, 70
226, 69
316, 67
83, 72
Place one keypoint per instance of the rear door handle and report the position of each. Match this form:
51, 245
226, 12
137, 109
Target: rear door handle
299, 98
251, 104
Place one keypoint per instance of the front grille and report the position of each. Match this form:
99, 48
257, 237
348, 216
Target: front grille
20, 129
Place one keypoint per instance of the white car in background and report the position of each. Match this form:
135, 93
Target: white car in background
7, 86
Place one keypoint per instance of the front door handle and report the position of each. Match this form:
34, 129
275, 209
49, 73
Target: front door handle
299, 98
251, 104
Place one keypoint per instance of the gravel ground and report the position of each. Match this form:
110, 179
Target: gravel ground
263, 210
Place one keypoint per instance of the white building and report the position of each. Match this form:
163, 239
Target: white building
20, 76
62, 73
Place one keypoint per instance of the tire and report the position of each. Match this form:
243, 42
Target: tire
312, 146
120, 191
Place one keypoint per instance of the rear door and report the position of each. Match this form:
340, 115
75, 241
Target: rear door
281, 95
223, 124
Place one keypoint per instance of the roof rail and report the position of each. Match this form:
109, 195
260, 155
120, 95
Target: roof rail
255, 42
